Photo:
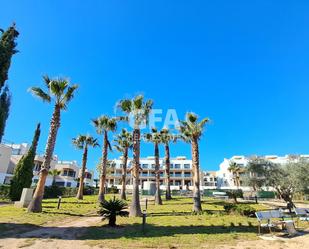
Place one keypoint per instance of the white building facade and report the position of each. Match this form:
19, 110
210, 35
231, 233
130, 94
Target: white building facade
180, 173
10, 154
225, 178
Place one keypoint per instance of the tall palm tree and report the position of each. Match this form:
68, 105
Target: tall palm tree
60, 93
83, 142
155, 138
54, 173
235, 169
138, 110
123, 143
167, 137
191, 131
103, 125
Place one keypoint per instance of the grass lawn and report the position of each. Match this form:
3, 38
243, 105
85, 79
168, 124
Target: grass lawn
171, 225
70, 207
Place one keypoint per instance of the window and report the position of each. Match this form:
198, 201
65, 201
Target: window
177, 174
177, 166
60, 184
71, 173
172, 166
153, 166
145, 166
187, 174
69, 184
186, 166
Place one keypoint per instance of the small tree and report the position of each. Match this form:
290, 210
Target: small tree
167, 137
23, 172
83, 142
155, 138
235, 169
111, 209
54, 173
234, 194
7, 50
124, 142
288, 179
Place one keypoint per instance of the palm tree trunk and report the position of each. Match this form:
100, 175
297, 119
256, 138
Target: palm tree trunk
168, 194
124, 174
101, 196
36, 203
80, 193
158, 199
135, 207
197, 206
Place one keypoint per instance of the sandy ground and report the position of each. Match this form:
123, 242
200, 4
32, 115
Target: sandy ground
61, 236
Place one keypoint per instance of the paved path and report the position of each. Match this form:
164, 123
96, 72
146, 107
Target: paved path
279, 203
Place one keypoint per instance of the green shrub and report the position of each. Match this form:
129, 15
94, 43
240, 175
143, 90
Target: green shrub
242, 209
4, 191
112, 190
234, 194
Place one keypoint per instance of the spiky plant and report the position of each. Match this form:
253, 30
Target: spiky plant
111, 209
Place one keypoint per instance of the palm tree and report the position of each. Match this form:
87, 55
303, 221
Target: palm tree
123, 143
155, 138
167, 137
54, 173
60, 93
138, 110
235, 169
191, 131
103, 125
82, 142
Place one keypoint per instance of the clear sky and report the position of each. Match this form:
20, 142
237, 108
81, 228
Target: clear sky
244, 64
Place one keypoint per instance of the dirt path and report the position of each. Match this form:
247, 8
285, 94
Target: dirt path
59, 235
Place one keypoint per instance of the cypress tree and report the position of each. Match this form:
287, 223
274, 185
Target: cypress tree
7, 50
23, 172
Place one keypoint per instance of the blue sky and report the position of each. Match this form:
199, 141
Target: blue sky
244, 64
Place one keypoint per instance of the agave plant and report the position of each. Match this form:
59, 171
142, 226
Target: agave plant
111, 209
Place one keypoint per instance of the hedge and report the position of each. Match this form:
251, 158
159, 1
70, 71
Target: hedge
4, 191
242, 209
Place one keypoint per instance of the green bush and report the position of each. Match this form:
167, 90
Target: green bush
4, 191
234, 194
242, 209
112, 190
55, 191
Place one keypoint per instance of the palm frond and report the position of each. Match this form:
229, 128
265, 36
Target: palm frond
38, 92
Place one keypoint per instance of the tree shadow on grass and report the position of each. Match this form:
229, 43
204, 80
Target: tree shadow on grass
132, 231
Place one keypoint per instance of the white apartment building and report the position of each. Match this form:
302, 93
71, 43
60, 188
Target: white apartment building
209, 180
10, 154
225, 177
70, 172
180, 172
